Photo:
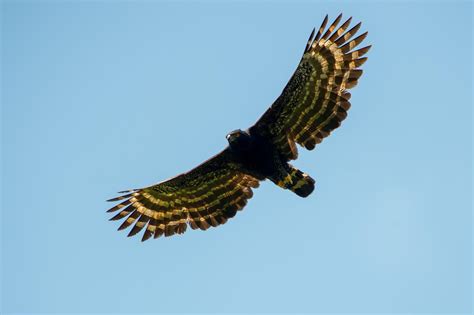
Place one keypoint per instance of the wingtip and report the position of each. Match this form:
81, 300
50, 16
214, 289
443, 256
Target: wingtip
123, 226
326, 18
146, 236
131, 233
127, 191
337, 19
123, 197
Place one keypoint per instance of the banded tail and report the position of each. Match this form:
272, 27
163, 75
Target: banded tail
298, 182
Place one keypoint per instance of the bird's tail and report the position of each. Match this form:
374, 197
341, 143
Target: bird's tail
298, 182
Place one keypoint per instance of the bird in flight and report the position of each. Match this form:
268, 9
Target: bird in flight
313, 103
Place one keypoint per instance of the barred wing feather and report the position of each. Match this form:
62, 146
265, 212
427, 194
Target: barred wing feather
206, 196
315, 100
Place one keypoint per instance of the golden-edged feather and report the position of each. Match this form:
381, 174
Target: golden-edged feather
206, 196
315, 100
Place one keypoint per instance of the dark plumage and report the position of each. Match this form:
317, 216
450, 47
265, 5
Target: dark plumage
259, 156
313, 103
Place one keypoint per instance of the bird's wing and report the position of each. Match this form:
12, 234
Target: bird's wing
206, 196
315, 100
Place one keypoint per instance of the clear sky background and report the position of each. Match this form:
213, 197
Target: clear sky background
99, 97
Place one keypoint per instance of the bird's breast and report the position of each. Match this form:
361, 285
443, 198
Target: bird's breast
259, 157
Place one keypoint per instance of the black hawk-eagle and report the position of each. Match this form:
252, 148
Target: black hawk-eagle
313, 103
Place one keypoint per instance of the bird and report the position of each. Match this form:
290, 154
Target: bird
313, 103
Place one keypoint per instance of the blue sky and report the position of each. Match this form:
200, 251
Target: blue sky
99, 97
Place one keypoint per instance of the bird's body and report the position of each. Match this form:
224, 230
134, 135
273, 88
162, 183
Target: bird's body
262, 159
257, 155
314, 103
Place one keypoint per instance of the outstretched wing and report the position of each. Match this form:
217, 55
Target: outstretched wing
315, 100
206, 196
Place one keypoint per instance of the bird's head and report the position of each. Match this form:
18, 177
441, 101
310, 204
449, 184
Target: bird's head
238, 139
